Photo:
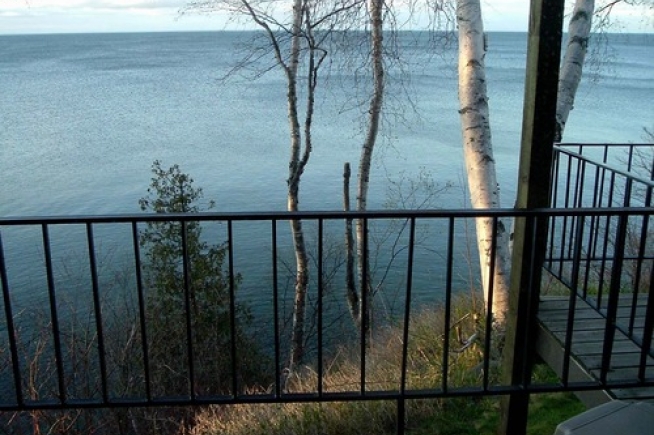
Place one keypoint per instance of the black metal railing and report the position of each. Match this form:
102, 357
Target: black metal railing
607, 260
103, 386
88, 323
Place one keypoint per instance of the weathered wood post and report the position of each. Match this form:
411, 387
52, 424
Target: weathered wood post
530, 236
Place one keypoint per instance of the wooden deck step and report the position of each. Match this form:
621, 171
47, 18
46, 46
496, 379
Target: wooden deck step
587, 347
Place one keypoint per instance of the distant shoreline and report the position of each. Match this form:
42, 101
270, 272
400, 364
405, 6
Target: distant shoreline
163, 32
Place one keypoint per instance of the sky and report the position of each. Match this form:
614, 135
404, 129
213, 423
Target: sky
99, 16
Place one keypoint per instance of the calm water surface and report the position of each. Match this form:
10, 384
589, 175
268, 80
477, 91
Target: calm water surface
82, 117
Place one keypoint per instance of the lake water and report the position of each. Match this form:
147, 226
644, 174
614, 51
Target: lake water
82, 117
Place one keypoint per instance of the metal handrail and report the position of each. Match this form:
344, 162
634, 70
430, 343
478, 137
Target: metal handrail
569, 242
627, 174
327, 215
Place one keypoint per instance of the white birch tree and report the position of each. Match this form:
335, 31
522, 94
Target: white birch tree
478, 153
476, 130
296, 166
573, 61
292, 41
299, 36
361, 313
586, 16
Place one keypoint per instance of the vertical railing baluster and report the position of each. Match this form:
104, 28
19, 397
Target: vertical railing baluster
489, 305
630, 158
600, 189
320, 306
401, 415
407, 306
405, 330
564, 230
596, 182
647, 330
11, 329
611, 189
577, 202
614, 288
142, 315
644, 232
54, 315
605, 250
598, 226
97, 304
572, 303
365, 311
592, 242
448, 304
593, 235
188, 288
278, 375
556, 163
645, 352
534, 283
232, 306
634, 300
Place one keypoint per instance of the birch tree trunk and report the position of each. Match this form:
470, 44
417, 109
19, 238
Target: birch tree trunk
297, 37
295, 169
478, 152
374, 115
350, 282
573, 62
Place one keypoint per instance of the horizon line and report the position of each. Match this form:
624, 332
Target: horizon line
128, 32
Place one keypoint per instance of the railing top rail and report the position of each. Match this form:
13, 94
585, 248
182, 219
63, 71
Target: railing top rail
609, 145
627, 174
315, 215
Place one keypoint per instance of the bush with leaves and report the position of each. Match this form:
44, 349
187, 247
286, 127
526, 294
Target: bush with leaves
194, 295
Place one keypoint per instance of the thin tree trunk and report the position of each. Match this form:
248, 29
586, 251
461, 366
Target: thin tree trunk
478, 152
376, 26
350, 283
573, 62
295, 169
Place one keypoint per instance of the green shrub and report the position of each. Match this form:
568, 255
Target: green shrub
197, 293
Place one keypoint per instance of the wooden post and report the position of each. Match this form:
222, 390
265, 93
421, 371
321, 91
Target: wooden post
530, 236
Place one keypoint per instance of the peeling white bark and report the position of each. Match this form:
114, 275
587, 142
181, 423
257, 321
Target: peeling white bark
478, 153
573, 62
295, 170
374, 111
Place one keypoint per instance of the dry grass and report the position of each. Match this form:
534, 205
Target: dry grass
425, 369
383, 373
